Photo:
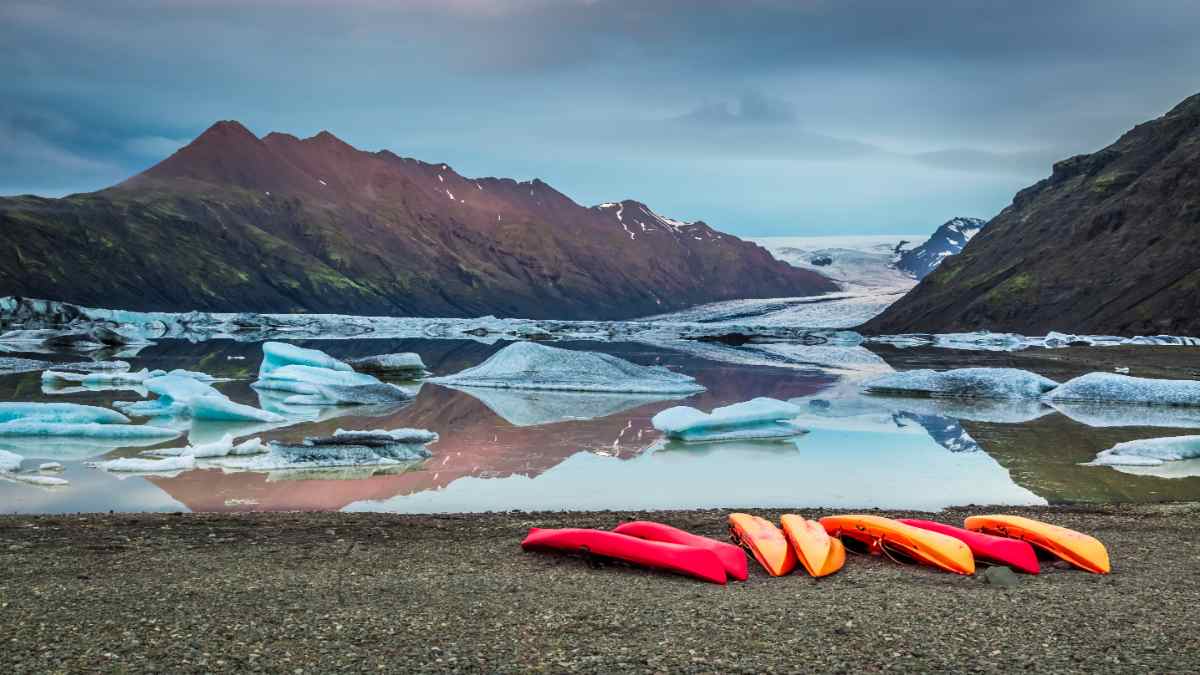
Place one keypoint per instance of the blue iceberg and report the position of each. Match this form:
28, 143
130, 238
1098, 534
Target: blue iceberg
759, 418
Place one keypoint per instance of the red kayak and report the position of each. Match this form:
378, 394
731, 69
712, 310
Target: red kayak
700, 563
732, 557
1016, 554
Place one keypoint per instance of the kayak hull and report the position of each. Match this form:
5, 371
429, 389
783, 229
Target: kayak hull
1077, 548
691, 561
764, 541
819, 553
1018, 555
731, 557
884, 534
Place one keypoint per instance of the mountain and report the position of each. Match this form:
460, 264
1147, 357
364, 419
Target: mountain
1109, 243
233, 222
947, 240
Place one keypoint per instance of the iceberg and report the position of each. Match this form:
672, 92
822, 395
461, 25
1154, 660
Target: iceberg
280, 354
175, 396
60, 413
35, 479
528, 365
343, 448
406, 364
202, 377
92, 366
10, 461
759, 418
304, 379
1150, 451
221, 448
18, 365
115, 432
1114, 388
995, 383
217, 407
102, 377
142, 465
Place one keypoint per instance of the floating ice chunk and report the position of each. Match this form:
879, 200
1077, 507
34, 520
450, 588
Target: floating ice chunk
142, 465
528, 365
1111, 387
66, 413
998, 383
302, 379
175, 396
402, 435
221, 448
404, 363
363, 394
1012, 411
10, 461
92, 366
202, 377
132, 432
217, 407
17, 365
50, 467
279, 354
1150, 451
757, 418
35, 479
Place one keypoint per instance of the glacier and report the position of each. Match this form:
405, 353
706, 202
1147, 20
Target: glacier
754, 419
996, 383
529, 365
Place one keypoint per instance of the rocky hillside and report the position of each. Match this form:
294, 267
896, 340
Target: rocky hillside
233, 222
1109, 243
947, 240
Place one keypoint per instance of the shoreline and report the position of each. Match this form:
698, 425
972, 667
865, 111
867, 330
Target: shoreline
315, 592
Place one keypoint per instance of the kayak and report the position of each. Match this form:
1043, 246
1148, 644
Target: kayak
731, 557
1076, 548
768, 545
691, 561
1018, 555
820, 553
887, 536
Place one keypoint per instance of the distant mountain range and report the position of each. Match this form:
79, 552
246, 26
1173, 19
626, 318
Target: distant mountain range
947, 240
1109, 243
233, 222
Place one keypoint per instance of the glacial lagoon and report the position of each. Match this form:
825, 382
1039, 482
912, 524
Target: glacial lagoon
505, 449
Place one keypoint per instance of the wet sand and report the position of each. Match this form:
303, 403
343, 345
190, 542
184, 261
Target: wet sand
317, 592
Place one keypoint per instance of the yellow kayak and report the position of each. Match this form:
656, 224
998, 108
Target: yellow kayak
768, 545
820, 553
1076, 548
884, 535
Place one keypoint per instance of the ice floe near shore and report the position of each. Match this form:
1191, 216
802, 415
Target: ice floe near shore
760, 418
529, 365
993, 383
1150, 451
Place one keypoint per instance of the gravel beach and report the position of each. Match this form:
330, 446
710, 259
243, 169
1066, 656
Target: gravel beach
317, 592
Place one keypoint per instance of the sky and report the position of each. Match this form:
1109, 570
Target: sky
760, 117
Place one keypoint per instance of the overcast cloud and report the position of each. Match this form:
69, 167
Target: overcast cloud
758, 116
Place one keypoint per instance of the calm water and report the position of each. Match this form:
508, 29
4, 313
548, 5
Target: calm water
523, 450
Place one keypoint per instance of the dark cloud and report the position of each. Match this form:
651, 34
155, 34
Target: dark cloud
759, 115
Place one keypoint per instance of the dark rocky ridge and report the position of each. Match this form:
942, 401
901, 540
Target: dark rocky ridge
1109, 243
233, 222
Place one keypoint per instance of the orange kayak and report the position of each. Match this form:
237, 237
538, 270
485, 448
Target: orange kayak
768, 545
884, 535
820, 553
1076, 548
